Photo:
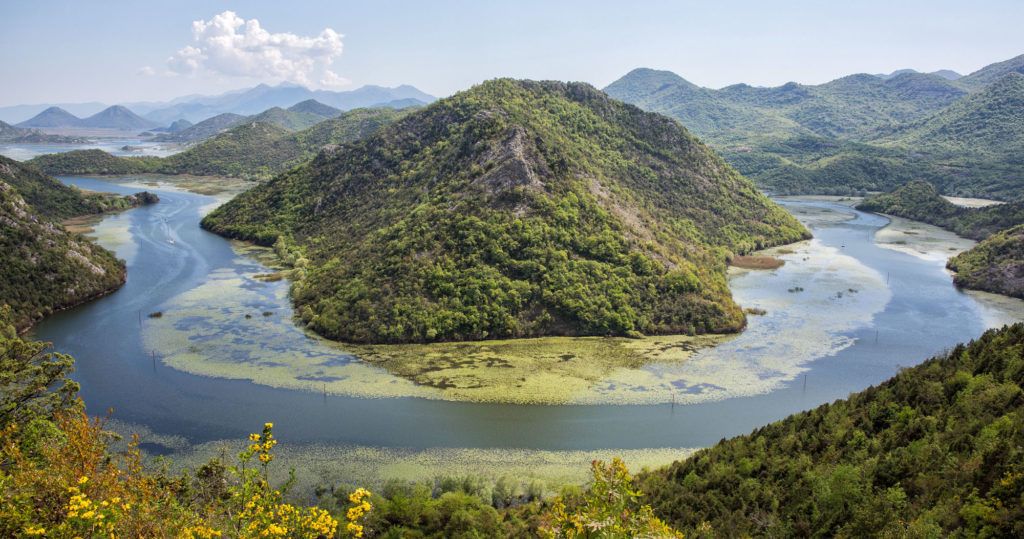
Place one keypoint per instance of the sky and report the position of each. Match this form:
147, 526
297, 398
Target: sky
118, 51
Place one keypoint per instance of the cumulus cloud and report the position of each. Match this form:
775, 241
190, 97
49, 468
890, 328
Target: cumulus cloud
232, 46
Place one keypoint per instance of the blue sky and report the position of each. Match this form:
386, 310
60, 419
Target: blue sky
118, 51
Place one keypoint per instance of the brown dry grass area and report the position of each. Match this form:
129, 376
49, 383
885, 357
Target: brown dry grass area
756, 262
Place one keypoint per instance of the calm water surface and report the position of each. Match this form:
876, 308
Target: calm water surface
168, 254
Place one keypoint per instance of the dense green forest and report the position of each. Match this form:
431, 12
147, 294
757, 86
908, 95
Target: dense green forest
52, 199
254, 149
936, 451
515, 208
858, 133
994, 265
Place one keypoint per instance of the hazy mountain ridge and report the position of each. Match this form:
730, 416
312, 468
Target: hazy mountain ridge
247, 149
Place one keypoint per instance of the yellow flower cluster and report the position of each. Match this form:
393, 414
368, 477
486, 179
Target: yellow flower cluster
262, 444
35, 530
268, 518
360, 507
83, 512
201, 532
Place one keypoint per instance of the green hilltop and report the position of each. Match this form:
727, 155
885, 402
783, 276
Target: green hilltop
515, 208
994, 265
252, 149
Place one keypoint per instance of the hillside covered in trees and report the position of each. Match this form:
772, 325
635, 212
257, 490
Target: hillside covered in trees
255, 149
936, 451
857, 133
45, 267
515, 208
994, 265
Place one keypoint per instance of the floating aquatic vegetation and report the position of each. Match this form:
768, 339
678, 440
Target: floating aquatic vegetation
775, 347
922, 240
331, 465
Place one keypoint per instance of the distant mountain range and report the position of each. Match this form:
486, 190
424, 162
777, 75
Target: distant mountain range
197, 108
115, 117
947, 74
21, 135
262, 97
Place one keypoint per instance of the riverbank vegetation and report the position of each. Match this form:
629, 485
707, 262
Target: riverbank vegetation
513, 209
994, 265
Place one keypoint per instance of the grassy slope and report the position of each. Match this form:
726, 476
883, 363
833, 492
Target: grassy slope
936, 450
514, 209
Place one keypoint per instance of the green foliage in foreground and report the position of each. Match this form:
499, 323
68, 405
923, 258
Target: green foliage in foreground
61, 478
252, 150
994, 265
921, 201
513, 209
937, 450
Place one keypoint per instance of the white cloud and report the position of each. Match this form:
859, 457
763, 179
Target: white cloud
146, 71
229, 45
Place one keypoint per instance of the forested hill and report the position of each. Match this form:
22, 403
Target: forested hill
45, 268
857, 133
936, 451
515, 208
52, 199
994, 265
252, 150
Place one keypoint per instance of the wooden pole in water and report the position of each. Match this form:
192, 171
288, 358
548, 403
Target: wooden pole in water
876, 336
805, 383
140, 318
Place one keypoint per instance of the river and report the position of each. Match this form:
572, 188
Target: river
809, 349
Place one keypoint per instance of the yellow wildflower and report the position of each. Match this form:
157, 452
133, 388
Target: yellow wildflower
83, 480
35, 530
254, 437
